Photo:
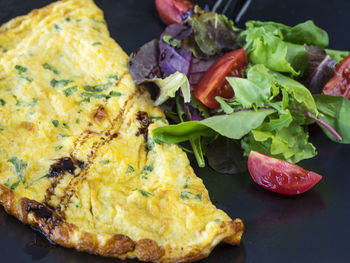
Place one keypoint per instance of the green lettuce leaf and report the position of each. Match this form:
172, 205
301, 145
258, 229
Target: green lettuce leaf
255, 90
281, 48
170, 85
289, 143
337, 55
297, 90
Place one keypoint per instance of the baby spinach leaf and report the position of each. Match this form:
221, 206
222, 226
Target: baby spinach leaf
335, 111
233, 126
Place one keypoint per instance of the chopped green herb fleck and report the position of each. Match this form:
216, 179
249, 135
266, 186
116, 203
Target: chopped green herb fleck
57, 27
37, 180
77, 205
59, 147
29, 79
144, 193
2, 129
96, 44
2, 102
93, 95
116, 77
67, 18
150, 144
51, 68
148, 168
83, 101
104, 162
19, 166
62, 135
70, 91
20, 69
14, 185
171, 41
33, 102
186, 182
55, 123
189, 195
63, 82
158, 118
77, 121
78, 20
7, 183
98, 21
114, 94
98, 88
217, 220
3, 49
130, 169
18, 103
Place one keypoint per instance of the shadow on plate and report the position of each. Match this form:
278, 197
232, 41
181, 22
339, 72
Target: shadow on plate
284, 209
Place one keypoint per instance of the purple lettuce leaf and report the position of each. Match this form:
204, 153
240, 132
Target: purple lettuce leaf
198, 67
321, 68
143, 63
172, 57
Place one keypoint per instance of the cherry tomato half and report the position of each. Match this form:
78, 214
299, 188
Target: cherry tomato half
213, 82
339, 85
172, 11
280, 176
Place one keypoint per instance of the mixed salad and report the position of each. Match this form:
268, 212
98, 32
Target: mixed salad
233, 92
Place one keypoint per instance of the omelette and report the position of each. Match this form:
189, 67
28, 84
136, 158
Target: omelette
77, 158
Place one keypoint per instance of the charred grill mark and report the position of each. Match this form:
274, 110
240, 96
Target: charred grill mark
99, 114
62, 165
108, 136
144, 120
40, 210
57, 170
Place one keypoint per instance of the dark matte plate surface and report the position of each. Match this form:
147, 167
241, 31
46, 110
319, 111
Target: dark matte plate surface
313, 227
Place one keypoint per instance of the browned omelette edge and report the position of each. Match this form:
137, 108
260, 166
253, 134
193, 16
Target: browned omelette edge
42, 217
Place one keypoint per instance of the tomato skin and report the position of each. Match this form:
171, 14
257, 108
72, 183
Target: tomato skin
339, 85
172, 11
280, 176
213, 82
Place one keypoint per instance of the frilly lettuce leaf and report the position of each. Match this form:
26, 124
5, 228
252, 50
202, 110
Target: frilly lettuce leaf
280, 47
170, 85
255, 90
289, 143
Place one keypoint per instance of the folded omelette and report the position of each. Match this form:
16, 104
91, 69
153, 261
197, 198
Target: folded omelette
77, 159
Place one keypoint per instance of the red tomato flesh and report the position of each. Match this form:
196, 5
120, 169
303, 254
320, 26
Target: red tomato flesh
213, 82
280, 176
172, 11
339, 85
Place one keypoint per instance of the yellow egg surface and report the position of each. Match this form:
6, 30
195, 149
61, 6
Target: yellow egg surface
77, 158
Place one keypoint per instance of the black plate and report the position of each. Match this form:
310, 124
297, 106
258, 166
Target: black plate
313, 227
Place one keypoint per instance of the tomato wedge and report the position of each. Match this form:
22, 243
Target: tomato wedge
339, 85
172, 11
213, 82
280, 176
